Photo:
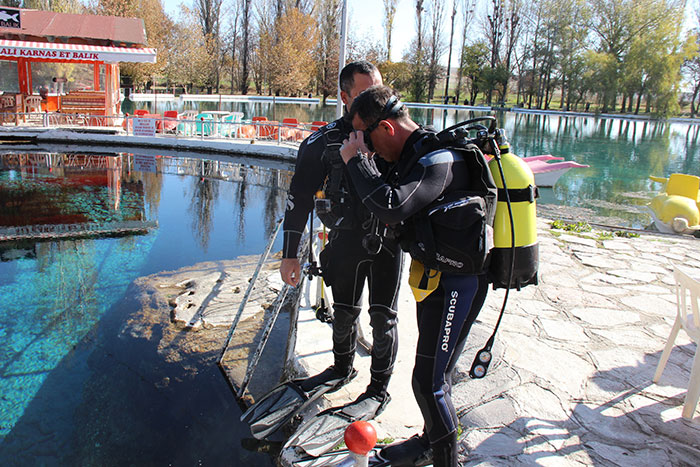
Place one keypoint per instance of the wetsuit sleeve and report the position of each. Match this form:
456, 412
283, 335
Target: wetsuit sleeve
425, 182
308, 177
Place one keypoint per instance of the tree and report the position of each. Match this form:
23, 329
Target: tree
416, 57
468, 7
245, 53
389, 15
327, 53
159, 29
449, 54
474, 60
691, 66
188, 65
209, 15
436, 45
292, 67
616, 23
396, 75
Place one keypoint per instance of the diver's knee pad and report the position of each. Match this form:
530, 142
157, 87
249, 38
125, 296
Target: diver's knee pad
384, 333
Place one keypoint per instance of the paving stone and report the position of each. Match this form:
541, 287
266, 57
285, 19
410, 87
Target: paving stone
597, 261
617, 245
558, 367
603, 290
650, 304
499, 445
633, 337
607, 278
568, 238
562, 330
605, 316
647, 289
635, 276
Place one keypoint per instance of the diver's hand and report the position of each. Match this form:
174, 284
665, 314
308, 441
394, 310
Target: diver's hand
290, 270
355, 142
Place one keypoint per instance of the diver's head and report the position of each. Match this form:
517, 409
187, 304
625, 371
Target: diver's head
354, 78
383, 118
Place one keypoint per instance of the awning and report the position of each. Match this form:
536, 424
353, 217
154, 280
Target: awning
41, 51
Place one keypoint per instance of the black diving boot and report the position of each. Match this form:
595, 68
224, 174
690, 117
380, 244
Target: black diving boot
415, 451
445, 451
338, 377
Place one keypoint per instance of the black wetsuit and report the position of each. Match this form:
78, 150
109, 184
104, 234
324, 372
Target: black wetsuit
446, 315
346, 264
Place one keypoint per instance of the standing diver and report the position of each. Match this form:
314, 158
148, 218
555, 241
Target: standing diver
354, 255
427, 179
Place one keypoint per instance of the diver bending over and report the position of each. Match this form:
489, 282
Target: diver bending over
348, 261
450, 302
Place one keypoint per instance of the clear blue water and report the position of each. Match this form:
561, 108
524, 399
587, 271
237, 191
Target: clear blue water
75, 389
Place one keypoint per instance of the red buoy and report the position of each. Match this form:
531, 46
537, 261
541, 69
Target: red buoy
360, 437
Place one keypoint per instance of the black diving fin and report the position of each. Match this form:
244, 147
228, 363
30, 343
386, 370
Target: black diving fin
323, 432
283, 402
339, 458
414, 452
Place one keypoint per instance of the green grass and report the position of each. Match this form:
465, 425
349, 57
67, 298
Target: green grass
572, 227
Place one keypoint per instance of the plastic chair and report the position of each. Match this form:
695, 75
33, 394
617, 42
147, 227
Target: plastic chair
32, 104
683, 185
290, 122
140, 112
687, 318
318, 124
231, 123
204, 124
169, 122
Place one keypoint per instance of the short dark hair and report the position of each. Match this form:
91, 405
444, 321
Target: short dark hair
370, 105
347, 74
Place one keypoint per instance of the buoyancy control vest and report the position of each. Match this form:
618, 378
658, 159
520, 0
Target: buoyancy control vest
454, 233
335, 205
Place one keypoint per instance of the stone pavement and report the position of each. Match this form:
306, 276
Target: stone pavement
573, 361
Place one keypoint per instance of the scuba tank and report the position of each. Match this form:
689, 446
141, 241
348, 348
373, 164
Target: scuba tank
522, 192
515, 256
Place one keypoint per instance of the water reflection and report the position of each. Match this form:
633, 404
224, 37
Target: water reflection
67, 367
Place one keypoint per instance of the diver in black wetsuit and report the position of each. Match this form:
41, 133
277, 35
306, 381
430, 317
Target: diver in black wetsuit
448, 303
347, 262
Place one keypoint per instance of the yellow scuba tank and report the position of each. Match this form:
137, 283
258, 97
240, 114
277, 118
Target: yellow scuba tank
522, 192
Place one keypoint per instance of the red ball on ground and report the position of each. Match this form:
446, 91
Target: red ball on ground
360, 437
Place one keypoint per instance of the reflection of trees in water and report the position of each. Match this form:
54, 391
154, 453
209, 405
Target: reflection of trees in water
151, 182
204, 194
275, 200
241, 199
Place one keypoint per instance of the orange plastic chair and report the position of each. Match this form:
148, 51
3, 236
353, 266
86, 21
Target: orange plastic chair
170, 120
268, 131
290, 122
259, 119
246, 131
318, 124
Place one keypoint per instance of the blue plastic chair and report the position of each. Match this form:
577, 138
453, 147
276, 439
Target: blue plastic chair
204, 124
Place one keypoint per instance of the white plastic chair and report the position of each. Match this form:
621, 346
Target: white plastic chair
688, 318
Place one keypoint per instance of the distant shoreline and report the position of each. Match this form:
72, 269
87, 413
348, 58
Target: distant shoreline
149, 97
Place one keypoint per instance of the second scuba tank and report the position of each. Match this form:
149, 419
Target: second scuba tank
522, 191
